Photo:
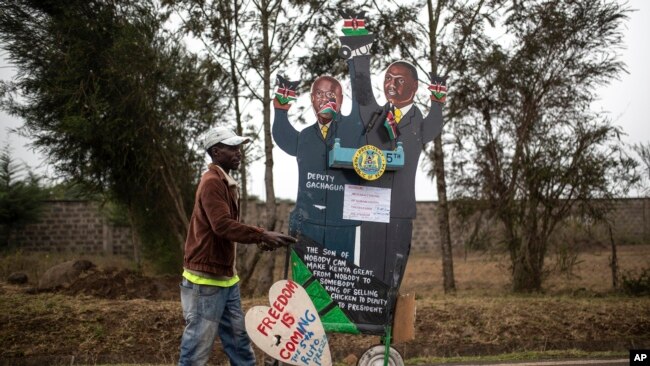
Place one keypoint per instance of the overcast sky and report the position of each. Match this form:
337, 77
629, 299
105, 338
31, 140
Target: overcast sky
625, 100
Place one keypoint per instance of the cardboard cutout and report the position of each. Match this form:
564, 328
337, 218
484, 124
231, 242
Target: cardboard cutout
318, 213
401, 122
356, 201
286, 92
354, 24
289, 330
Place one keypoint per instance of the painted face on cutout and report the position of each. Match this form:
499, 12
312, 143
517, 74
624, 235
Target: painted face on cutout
326, 98
400, 84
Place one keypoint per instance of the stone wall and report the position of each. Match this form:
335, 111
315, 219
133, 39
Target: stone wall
630, 220
74, 226
79, 226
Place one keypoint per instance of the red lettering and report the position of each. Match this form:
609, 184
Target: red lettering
288, 320
278, 306
283, 300
296, 337
291, 286
261, 329
287, 292
289, 289
285, 354
291, 347
268, 322
274, 313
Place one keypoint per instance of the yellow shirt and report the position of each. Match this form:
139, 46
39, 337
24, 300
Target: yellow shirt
199, 280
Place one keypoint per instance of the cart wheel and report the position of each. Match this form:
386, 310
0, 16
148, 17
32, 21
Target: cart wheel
345, 52
374, 356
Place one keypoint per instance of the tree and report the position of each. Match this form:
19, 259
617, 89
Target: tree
437, 157
113, 100
529, 146
462, 34
453, 29
217, 25
253, 41
643, 151
21, 197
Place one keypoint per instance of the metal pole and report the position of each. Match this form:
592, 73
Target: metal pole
387, 344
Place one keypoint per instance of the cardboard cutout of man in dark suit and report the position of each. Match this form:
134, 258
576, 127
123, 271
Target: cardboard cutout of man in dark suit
385, 247
318, 213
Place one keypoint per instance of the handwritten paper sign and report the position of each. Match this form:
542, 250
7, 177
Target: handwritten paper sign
366, 203
290, 329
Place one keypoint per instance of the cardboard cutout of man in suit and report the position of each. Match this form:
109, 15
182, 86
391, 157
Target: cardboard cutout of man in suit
318, 213
385, 247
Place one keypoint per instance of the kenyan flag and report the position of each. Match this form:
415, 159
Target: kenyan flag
438, 92
354, 27
285, 96
330, 107
391, 126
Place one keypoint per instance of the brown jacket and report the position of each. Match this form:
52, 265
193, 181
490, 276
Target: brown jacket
215, 227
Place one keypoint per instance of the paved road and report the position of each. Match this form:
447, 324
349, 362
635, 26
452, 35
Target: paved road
612, 362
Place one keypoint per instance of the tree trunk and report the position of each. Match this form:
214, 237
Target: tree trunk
614, 260
136, 241
438, 158
266, 102
243, 169
524, 278
449, 282
527, 267
256, 269
260, 265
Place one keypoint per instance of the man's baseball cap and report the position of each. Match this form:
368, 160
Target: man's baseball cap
222, 135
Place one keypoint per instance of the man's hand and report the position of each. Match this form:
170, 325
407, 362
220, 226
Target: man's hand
352, 46
265, 247
438, 88
357, 40
278, 105
285, 93
274, 240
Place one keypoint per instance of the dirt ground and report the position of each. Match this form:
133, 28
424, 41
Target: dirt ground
119, 316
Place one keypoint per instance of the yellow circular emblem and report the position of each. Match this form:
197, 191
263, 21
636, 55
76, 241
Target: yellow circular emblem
369, 162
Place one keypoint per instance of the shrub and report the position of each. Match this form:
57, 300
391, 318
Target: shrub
635, 283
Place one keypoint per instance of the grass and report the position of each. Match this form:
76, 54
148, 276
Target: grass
508, 357
519, 356
35, 264
487, 274
577, 316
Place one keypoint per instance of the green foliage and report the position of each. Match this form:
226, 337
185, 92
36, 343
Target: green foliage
116, 214
525, 139
391, 42
72, 191
21, 197
636, 283
643, 152
114, 99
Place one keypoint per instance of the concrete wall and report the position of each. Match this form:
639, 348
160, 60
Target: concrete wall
79, 226
74, 226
